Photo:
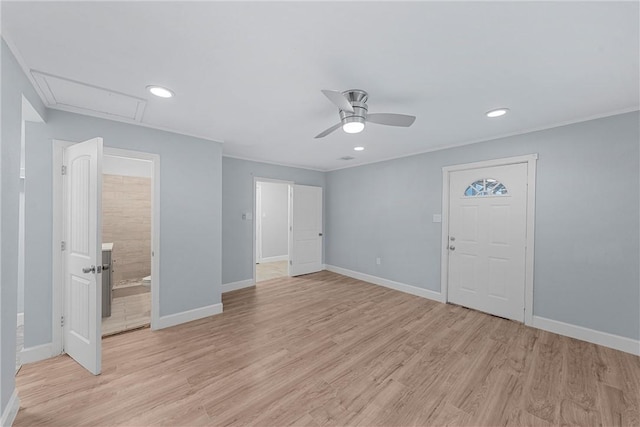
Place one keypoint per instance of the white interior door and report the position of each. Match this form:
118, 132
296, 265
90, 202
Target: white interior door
83, 254
487, 238
305, 253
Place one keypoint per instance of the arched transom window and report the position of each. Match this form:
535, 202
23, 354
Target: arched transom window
486, 187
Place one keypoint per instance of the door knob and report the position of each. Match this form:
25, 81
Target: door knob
453, 248
91, 269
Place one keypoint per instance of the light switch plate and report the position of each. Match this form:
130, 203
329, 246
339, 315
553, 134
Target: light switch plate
437, 218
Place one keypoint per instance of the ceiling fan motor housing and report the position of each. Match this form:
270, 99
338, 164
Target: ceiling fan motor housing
353, 111
357, 98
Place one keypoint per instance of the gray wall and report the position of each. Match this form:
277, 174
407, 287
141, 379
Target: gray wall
275, 219
190, 213
237, 197
14, 85
587, 216
587, 219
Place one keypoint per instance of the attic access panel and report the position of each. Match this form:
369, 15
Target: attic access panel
70, 95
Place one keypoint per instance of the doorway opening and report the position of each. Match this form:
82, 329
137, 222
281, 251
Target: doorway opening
79, 269
272, 227
126, 243
29, 114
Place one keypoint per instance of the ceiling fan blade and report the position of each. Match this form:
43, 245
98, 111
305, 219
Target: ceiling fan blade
391, 119
339, 99
328, 131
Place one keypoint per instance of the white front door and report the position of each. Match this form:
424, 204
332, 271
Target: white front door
487, 239
83, 254
306, 230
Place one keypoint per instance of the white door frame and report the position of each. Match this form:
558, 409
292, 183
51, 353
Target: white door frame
257, 179
29, 114
531, 160
258, 220
57, 337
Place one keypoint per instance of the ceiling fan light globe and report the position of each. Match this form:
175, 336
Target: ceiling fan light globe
353, 127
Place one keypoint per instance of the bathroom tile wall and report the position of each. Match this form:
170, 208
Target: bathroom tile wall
126, 221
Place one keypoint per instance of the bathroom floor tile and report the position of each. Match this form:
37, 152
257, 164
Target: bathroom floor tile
128, 312
271, 270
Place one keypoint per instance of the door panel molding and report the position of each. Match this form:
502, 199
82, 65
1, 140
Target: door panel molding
82, 252
306, 237
531, 161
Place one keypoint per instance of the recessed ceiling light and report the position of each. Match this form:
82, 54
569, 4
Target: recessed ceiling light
358, 148
160, 91
497, 112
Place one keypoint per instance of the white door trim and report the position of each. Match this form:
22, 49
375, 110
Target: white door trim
59, 195
58, 233
257, 179
531, 160
258, 220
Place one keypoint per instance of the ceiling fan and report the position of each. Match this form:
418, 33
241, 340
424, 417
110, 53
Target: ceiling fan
354, 112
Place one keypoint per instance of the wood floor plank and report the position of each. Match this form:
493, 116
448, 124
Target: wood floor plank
543, 383
579, 381
328, 350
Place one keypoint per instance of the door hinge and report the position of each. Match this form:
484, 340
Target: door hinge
63, 245
61, 321
63, 170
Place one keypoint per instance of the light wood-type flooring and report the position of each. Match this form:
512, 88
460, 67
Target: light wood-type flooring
326, 350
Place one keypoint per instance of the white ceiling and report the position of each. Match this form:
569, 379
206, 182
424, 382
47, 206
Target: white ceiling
250, 74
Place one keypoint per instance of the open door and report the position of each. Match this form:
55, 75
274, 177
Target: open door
83, 254
305, 252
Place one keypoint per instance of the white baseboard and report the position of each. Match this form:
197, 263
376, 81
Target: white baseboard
606, 339
275, 258
413, 290
20, 319
9, 413
234, 286
36, 353
188, 316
